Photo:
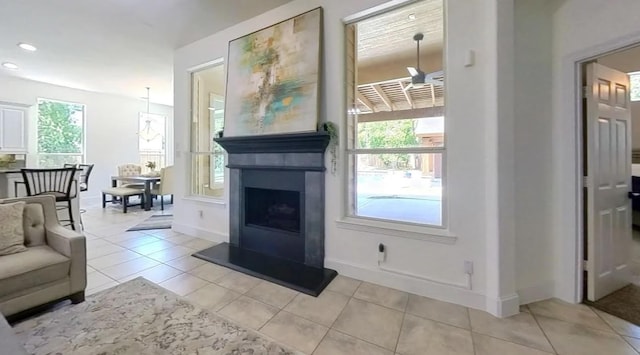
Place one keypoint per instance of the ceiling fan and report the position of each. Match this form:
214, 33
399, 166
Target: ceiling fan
418, 77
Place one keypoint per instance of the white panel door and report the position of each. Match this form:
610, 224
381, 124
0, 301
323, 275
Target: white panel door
608, 125
13, 130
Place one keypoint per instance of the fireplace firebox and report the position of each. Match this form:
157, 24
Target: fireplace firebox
272, 212
276, 210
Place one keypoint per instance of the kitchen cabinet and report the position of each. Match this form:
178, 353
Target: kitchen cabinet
13, 129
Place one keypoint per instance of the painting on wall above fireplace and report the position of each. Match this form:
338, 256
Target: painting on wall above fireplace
272, 80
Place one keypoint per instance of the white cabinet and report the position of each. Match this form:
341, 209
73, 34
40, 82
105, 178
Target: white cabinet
13, 129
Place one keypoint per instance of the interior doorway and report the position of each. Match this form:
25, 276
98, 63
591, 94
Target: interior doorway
611, 187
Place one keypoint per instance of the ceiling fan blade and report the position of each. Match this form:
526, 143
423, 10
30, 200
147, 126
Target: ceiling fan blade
413, 71
434, 82
435, 74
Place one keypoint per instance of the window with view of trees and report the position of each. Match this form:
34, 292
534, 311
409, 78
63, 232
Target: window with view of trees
207, 157
396, 138
60, 133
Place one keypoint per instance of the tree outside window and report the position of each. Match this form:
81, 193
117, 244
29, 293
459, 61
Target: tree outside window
60, 133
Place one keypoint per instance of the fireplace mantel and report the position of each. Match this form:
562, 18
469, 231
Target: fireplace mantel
313, 142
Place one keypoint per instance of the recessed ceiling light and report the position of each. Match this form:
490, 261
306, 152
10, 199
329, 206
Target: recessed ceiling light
10, 65
411, 16
27, 47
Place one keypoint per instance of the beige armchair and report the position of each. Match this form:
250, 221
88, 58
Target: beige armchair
53, 268
166, 185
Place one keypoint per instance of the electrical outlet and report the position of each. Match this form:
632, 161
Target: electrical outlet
468, 267
381, 253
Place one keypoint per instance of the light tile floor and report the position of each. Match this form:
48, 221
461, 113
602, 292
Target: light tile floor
350, 317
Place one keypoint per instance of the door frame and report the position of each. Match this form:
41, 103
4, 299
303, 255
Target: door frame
569, 167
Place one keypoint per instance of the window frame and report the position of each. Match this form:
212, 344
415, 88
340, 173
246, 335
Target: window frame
193, 154
83, 145
632, 75
350, 219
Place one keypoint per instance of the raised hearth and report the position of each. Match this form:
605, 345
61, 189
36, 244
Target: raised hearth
276, 210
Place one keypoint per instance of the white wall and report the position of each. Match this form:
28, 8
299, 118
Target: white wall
111, 124
582, 29
484, 229
533, 149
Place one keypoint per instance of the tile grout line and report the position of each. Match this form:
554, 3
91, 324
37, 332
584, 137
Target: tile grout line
514, 343
535, 318
330, 327
615, 331
362, 340
473, 341
441, 322
395, 348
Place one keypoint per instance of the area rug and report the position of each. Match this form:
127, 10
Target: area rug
138, 317
624, 303
158, 221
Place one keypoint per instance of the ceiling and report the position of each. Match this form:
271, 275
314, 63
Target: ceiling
386, 47
390, 35
112, 46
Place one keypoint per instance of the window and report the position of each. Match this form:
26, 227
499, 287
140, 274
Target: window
634, 79
396, 138
207, 157
152, 139
60, 133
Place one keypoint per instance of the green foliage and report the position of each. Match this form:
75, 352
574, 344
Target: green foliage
58, 131
332, 129
389, 134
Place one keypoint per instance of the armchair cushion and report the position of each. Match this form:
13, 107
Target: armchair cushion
34, 225
35, 267
11, 229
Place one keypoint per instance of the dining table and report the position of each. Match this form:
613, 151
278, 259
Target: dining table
148, 181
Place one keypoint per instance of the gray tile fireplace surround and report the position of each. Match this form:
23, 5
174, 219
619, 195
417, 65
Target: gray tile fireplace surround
289, 163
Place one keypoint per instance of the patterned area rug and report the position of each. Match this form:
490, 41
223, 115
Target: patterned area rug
158, 221
138, 317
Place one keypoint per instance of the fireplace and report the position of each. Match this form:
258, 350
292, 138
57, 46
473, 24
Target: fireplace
272, 212
272, 209
276, 210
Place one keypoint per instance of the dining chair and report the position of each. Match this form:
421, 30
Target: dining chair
84, 177
165, 187
130, 170
57, 182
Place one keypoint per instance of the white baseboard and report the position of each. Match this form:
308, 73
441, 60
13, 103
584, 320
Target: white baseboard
536, 293
504, 306
199, 233
413, 285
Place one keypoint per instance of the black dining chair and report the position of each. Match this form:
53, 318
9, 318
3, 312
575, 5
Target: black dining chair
84, 177
84, 174
57, 182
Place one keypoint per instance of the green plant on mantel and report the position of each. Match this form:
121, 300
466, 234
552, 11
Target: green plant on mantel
332, 129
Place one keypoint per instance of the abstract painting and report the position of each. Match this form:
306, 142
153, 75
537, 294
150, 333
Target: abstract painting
272, 83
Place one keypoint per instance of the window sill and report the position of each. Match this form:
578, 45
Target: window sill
212, 200
426, 234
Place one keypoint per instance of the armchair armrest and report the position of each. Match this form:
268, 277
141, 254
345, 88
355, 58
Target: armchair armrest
66, 241
74, 246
